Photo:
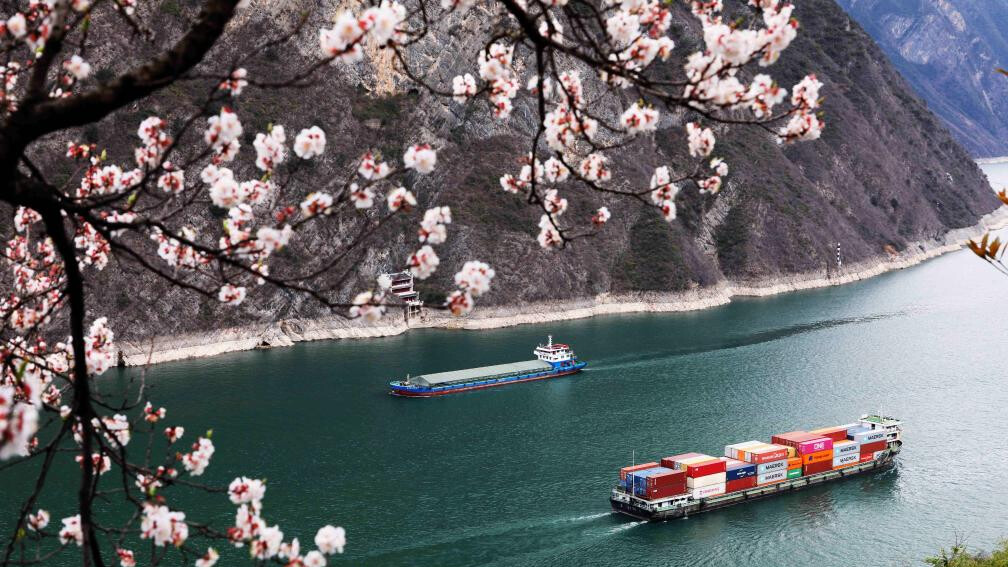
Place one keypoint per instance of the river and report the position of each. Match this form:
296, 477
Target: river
520, 475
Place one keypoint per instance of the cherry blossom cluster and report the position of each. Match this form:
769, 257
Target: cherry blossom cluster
382, 25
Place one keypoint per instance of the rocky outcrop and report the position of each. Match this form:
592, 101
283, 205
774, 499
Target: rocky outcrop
949, 51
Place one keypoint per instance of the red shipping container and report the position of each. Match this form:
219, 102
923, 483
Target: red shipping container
672, 478
704, 468
669, 462
740, 484
665, 491
834, 433
819, 467
623, 471
869, 448
793, 438
866, 458
769, 456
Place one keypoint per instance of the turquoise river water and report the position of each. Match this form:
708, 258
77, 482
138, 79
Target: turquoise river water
520, 475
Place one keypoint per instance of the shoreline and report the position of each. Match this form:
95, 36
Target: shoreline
287, 332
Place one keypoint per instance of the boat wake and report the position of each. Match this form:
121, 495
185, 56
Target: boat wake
731, 342
625, 527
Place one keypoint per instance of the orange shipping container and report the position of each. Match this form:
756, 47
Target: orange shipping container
818, 457
623, 471
794, 463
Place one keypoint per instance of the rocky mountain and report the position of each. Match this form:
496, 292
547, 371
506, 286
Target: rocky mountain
885, 175
949, 50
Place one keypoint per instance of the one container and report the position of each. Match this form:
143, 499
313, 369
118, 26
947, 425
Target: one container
672, 462
706, 491
846, 460
664, 492
794, 463
740, 484
816, 445
816, 468
794, 473
846, 447
817, 457
702, 481
771, 467
772, 477
866, 458
704, 468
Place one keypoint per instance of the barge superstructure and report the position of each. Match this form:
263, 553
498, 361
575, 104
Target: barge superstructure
551, 361
679, 489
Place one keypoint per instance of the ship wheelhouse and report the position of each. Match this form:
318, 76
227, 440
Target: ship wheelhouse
557, 354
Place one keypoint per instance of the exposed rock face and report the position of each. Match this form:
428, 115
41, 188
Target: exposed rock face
885, 174
949, 50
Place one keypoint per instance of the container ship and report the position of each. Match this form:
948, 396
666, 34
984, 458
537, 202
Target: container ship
692, 483
551, 360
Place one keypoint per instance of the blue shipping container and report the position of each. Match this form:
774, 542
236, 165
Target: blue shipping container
639, 479
745, 471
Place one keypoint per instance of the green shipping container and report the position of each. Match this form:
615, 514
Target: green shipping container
793, 473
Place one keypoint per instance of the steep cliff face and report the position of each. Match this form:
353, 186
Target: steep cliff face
949, 50
885, 174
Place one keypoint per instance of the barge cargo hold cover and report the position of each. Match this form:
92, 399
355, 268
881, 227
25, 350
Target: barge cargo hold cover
483, 372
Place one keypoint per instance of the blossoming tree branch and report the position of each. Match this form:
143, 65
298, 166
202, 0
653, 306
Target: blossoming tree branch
597, 74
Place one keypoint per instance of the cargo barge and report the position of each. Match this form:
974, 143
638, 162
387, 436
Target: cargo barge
693, 483
552, 360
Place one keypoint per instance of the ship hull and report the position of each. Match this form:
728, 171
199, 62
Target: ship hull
417, 392
656, 512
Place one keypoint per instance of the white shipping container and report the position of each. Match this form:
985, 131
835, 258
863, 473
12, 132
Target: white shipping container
846, 448
735, 450
771, 467
712, 490
772, 477
870, 436
846, 460
702, 481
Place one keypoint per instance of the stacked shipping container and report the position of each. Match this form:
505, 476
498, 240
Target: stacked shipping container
755, 463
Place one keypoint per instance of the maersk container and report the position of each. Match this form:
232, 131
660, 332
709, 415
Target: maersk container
794, 473
846, 447
702, 481
706, 491
772, 477
869, 436
846, 460
771, 467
